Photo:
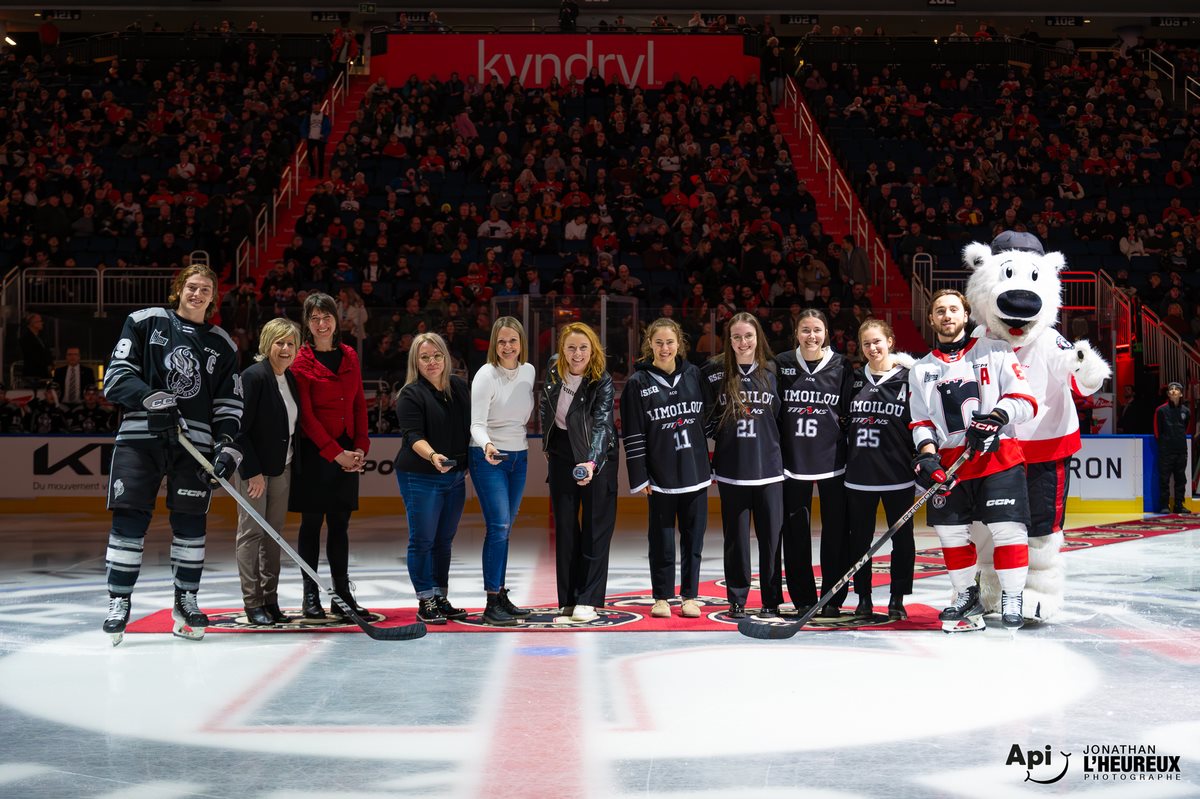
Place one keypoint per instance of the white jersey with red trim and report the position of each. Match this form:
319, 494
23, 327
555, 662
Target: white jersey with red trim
946, 388
1053, 434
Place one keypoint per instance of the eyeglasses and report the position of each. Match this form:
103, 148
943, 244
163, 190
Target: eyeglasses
437, 357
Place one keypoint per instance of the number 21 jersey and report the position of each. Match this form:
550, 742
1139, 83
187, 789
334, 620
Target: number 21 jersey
745, 450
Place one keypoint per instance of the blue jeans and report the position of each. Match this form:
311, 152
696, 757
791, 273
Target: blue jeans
500, 489
433, 504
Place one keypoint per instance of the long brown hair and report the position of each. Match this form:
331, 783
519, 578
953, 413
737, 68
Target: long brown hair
670, 324
735, 407
203, 271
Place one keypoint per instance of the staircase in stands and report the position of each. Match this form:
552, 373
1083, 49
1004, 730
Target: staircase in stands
355, 91
896, 305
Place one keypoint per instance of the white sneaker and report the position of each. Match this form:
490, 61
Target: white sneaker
584, 613
661, 609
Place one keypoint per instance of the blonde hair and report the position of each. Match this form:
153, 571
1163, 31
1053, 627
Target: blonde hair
670, 324
274, 331
598, 363
515, 324
439, 344
190, 271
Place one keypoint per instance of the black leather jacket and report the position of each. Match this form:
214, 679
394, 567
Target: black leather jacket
589, 420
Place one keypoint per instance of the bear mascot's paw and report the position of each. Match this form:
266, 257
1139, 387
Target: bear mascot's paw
1090, 370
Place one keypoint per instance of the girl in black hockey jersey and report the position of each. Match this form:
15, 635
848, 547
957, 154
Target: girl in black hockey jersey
662, 420
814, 388
744, 405
879, 464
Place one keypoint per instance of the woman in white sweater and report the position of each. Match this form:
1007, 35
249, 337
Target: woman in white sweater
501, 402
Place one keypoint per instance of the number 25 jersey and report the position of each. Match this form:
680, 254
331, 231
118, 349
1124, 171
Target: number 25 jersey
946, 388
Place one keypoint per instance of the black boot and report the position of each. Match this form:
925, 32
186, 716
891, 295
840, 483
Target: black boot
448, 610
342, 589
509, 607
429, 611
259, 616
277, 615
312, 601
896, 609
495, 614
865, 609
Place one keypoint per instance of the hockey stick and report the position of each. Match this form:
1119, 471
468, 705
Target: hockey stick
405, 633
766, 630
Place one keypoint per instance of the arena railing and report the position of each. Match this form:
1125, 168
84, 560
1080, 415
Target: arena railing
1177, 360
172, 46
838, 188
1191, 92
1157, 62
922, 265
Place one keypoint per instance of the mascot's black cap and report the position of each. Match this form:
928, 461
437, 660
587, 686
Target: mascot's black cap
1013, 240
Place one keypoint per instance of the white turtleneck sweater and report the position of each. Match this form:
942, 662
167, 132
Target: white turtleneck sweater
501, 403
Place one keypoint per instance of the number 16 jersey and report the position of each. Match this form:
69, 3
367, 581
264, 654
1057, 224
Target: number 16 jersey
814, 402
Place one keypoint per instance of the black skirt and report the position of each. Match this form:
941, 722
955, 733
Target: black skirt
319, 485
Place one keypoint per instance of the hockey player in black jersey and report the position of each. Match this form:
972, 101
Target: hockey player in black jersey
45, 414
90, 416
12, 417
814, 389
743, 402
170, 369
662, 422
879, 454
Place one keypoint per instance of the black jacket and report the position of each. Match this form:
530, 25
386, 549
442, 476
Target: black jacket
264, 437
445, 424
590, 427
1171, 426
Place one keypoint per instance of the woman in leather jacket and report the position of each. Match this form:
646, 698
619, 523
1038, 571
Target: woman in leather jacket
579, 437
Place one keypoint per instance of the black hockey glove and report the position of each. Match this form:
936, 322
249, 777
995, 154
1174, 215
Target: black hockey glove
225, 460
983, 433
928, 467
162, 412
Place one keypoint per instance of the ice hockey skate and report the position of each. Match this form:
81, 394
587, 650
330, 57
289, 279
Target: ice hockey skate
965, 615
189, 621
118, 617
1011, 611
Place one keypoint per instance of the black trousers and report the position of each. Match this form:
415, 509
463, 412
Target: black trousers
1048, 483
1172, 463
584, 517
797, 538
691, 510
862, 507
316, 157
337, 543
763, 504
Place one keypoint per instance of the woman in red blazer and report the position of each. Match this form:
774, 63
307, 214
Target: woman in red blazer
332, 449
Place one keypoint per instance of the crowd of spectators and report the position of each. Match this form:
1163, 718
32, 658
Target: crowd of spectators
1088, 154
134, 163
445, 193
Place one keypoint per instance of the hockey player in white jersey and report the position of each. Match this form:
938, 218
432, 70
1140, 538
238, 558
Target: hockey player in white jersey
969, 393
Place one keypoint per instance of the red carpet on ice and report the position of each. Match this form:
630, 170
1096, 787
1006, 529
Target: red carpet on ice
631, 612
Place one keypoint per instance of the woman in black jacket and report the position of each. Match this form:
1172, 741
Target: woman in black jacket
434, 412
269, 416
580, 440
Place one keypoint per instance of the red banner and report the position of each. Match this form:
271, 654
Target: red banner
645, 61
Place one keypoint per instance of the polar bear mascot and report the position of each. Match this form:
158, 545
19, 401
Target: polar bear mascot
1015, 295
